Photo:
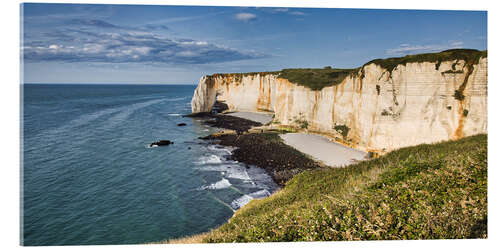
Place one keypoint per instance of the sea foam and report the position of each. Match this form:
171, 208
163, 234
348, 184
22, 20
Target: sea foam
224, 183
211, 159
243, 200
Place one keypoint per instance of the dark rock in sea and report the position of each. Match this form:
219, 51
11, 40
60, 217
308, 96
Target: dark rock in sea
189, 147
181, 124
161, 143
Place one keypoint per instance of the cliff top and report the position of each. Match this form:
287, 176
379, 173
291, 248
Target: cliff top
318, 78
470, 56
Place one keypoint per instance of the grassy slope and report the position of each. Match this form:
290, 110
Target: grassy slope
317, 79
422, 192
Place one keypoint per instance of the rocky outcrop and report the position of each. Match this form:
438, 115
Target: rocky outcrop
373, 110
161, 143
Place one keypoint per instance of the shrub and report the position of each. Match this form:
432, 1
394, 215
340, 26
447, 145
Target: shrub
459, 95
452, 72
344, 130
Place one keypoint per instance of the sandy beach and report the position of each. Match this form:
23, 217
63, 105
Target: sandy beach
263, 118
320, 148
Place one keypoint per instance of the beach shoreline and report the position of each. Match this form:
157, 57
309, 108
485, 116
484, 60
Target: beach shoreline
322, 149
281, 154
262, 146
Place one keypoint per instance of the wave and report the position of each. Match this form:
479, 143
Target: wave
126, 112
224, 183
260, 194
243, 200
120, 114
223, 150
240, 202
174, 114
176, 99
249, 181
211, 159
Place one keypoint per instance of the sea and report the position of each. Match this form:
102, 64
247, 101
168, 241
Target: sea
89, 176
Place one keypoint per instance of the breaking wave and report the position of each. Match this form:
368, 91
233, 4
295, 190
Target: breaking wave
224, 183
243, 200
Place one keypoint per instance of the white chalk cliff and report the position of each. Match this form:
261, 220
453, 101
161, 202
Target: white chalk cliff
415, 103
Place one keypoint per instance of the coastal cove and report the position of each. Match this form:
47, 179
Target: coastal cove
148, 123
424, 169
409, 179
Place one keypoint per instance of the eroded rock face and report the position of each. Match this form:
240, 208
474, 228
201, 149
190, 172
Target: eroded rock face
375, 110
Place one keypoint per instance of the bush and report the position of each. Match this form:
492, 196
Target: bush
459, 95
344, 130
452, 72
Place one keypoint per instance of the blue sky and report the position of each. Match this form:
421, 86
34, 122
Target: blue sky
70, 43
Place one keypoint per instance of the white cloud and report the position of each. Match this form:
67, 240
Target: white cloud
95, 47
245, 16
297, 13
405, 49
280, 10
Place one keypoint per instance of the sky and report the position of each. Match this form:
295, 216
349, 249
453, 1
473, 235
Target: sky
141, 44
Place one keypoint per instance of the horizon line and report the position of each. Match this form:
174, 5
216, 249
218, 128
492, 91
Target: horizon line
83, 83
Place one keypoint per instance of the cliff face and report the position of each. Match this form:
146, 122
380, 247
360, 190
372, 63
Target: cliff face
374, 110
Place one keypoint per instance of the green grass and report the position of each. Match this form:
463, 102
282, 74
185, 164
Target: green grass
434, 191
470, 56
316, 79
344, 130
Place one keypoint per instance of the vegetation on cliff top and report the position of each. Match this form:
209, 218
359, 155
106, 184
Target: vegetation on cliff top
318, 78
436, 191
470, 56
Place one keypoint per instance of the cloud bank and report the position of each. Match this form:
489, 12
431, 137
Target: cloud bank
125, 45
405, 49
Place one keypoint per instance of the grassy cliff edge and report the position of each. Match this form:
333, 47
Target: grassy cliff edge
429, 191
318, 78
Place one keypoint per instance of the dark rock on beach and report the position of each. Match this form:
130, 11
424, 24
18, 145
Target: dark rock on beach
219, 107
267, 151
161, 143
240, 125
199, 115
264, 150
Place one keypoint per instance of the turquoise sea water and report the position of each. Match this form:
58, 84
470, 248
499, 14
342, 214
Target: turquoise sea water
89, 177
